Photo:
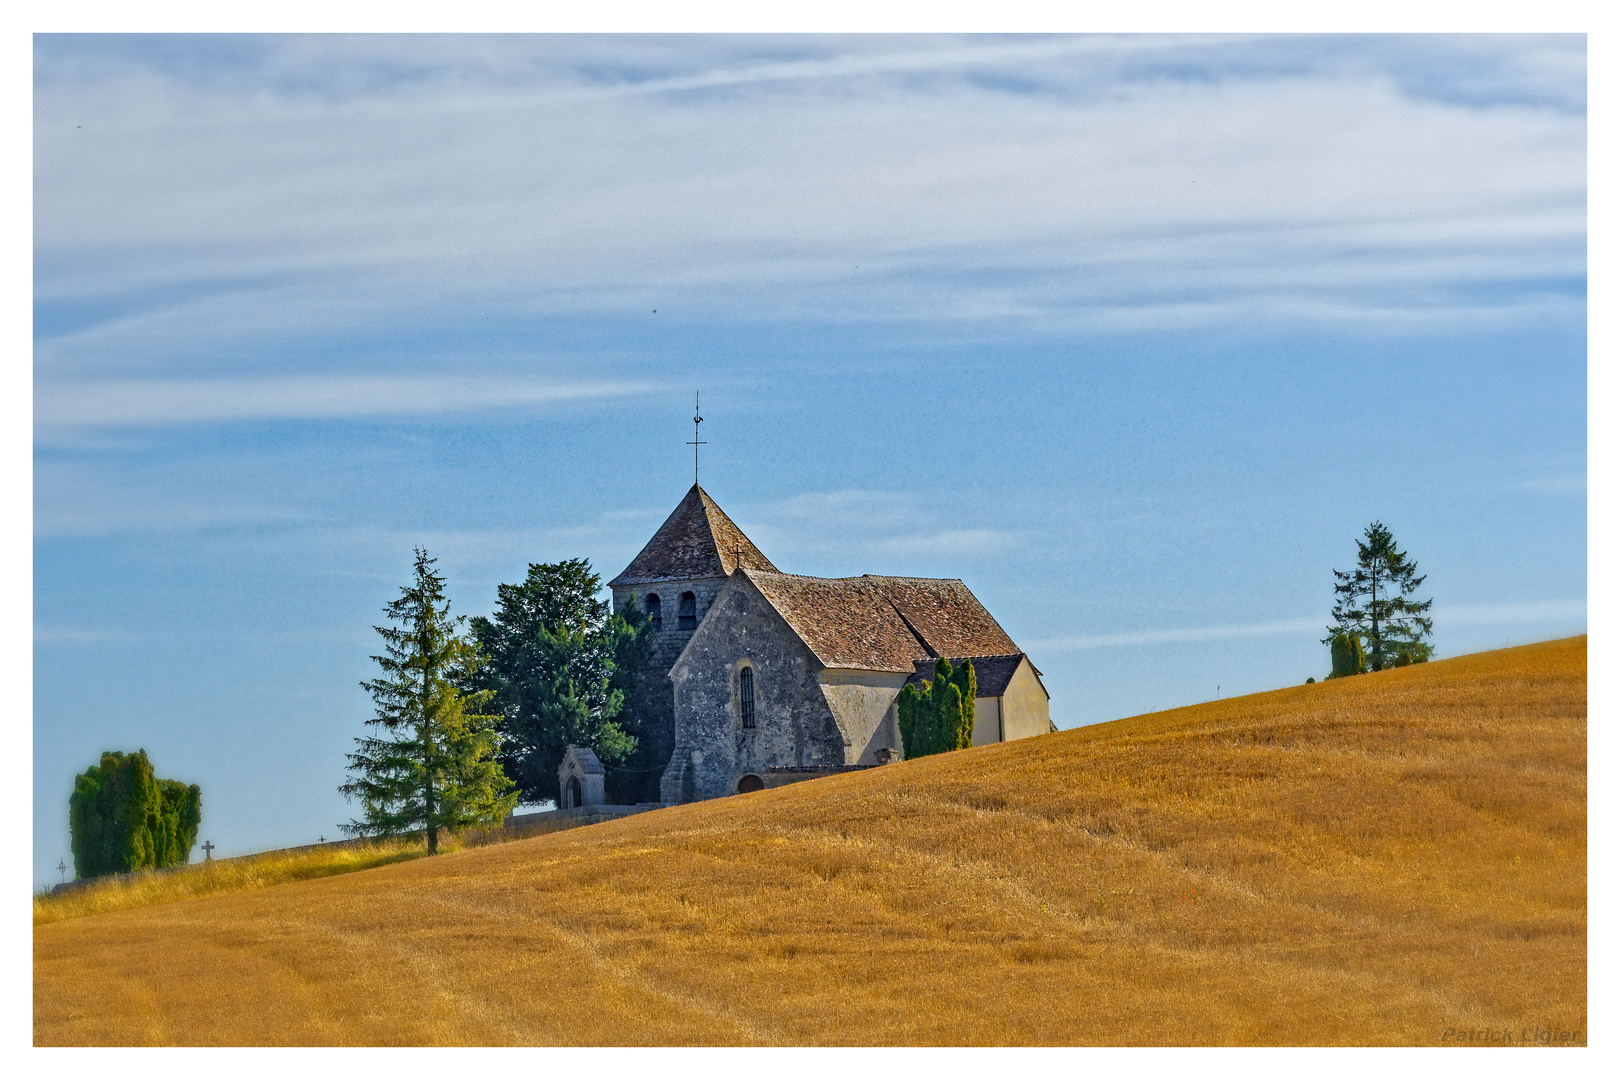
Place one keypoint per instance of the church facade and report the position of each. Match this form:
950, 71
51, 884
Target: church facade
771, 674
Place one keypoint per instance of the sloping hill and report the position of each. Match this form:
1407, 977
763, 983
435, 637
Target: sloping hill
1369, 860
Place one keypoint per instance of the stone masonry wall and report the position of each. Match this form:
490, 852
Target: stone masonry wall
794, 723
660, 708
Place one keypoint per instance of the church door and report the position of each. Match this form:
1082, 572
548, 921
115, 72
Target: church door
572, 796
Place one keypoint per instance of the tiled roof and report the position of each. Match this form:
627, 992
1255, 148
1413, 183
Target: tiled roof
589, 763
991, 673
696, 541
883, 623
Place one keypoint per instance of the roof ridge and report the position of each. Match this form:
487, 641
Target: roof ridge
929, 649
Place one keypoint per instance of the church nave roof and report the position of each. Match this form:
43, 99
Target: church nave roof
883, 623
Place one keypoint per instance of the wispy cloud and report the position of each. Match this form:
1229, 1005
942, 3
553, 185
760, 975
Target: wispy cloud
1540, 611
140, 402
1552, 484
860, 531
1082, 642
1548, 611
68, 635
350, 183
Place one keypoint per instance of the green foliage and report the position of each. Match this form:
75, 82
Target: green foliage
909, 708
937, 715
434, 766
123, 818
179, 818
1348, 657
561, 667
1372, 604
644, 715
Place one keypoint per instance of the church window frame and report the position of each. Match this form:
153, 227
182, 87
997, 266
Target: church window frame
655, 611
745, 696
686, 614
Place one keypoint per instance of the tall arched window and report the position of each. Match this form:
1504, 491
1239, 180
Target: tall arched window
688, 611
745, 695
655, 611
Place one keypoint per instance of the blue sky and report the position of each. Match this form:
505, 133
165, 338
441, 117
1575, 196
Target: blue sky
1133, 334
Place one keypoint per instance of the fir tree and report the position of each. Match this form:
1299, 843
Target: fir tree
433, 764
1373, 605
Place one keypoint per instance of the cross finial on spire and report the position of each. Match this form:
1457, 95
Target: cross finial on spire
697, 418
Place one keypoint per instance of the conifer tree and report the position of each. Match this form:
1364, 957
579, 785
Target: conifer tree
123, 818
433, 765
1372, 603
562, 667
1348, 658
908, 708
937, 714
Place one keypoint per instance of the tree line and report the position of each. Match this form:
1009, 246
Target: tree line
472, 718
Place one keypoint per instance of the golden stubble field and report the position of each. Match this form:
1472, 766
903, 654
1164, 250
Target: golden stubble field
1371, 860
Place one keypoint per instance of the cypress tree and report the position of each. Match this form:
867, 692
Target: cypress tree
967, 683
947, 715
909, 706
936, 715
948, 710
122, 818
1348, 658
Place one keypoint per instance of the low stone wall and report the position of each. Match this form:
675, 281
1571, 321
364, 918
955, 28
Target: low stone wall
550, 821
781, 775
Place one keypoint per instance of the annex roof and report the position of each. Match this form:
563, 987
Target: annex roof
992, 673
883, 623
698, 540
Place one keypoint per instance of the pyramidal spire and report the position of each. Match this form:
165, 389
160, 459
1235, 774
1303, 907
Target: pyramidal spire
698, 540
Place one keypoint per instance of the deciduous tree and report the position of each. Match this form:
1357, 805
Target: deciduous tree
433, 764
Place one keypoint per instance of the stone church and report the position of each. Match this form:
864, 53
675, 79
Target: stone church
774, 677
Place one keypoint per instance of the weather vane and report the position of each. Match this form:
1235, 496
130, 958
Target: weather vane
697, 418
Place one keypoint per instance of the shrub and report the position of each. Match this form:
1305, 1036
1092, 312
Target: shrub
1348, 656
123, 818
937, 715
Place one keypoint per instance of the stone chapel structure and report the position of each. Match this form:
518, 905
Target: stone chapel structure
773, 675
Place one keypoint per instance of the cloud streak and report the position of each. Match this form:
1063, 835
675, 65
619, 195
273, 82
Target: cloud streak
1535, 612
149, 402
1102, 181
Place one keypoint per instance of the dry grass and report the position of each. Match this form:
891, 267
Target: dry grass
219, 876
1370, 860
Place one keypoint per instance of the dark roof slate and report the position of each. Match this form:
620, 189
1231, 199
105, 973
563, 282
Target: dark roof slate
992, 673
589, 763
883, 623
697, 541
